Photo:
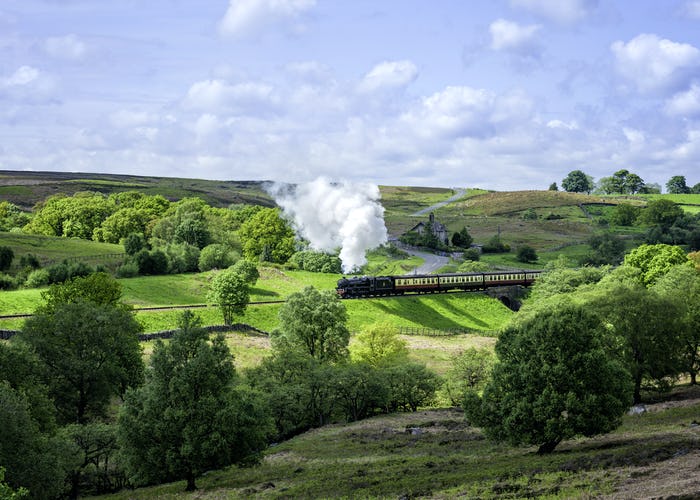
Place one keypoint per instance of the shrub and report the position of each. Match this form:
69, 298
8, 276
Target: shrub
215, 256
526, 254
134, 243
182, 258
29, 260
6, 258
37, 278
7, 282
58, 273
495, 245
128, 269
154, 262
473, 254
316, 262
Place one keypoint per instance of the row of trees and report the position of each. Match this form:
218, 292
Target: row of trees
78, 358
621, 182
587, 344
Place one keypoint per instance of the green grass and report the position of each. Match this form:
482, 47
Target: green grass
648, 456
55, 249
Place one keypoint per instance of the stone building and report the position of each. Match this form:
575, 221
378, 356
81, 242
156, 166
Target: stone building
438, 229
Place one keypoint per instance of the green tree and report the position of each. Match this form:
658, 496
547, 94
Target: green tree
411, 385
230, 291
553, 187
606, 248
577, 182
91, 353
662, 212
624, 214
75, 216
314, 323
655, 260
191, 415
11, 216
682, 284
677, 185
647, 330
247, 270
526, 254
32, 459
462, 238
695, 189
469, 372
267, 236
360, 389
633, 184
215, 256
99, 288
379, 344
553, 380
6, 258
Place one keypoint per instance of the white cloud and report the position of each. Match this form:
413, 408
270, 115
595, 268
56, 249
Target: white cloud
559, 124
508, 35
560, 11
65, 47
389, 74
685, 103
246, 17
24, 75
212, 95
653, 63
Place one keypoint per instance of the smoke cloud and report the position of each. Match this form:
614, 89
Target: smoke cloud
331, 215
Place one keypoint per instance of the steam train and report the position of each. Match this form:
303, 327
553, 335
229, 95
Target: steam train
377, 286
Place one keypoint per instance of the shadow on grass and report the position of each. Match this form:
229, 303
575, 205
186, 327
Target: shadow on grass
415, 311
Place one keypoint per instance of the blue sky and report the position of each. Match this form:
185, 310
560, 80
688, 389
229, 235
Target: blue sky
497, 94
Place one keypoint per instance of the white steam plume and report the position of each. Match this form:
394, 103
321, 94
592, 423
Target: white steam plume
335, 215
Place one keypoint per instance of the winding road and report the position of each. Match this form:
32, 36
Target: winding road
458, 194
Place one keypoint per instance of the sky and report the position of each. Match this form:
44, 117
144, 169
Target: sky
496, 94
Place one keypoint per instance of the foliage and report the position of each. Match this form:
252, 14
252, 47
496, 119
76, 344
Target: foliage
151, 262
316, 262
98, 288
31, 458
577, 182
230, 291
553, 187
134, 243
663, 212
526, 254
266, 236
11, 216
473, 266
247, 270
75, 216
190, 416
553, 380
646, 329
624, 214
360, 390
379, 344
313, 323
682, 284
606, 248
182, 257
655, 260
215, 256
495, 245
37, 278
677, 185
472, 254
6, 258
192, 231
91, 352
411, 385
469, 373
7, 492
462, 238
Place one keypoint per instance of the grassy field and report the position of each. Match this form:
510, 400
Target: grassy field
656, 454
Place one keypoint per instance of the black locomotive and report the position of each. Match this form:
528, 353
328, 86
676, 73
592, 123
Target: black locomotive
378, 286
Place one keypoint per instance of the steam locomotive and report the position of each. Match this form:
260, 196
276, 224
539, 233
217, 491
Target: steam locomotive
377, 286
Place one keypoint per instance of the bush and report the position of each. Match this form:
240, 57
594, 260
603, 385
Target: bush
316, 262
182, 258
495, 245
526, 254
29, 260
134, 243
128, 269
6, 258
58, 273
473, 254
215, 256
153, 263
37, 278
472, 266
7, 282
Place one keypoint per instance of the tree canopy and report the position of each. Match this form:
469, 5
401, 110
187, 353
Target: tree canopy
577, 182
553, 380
267, 236
230, 291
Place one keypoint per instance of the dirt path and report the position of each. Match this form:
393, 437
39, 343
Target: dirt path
460, 192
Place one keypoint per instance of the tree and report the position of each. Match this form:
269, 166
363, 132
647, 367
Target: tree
633, 184
462, 238
624, 214
91, 352
677, 185
230, 291
577, 182
682, 284
526, 254
314, 323
410, 384
134, 243
655, 260
553, 380
11, 216
469, 373
247, 270
31, 458
215, 256
379, 344
98, 288
6, 258
662, 212
553, 187
646, 328
606, 248
267, 236
695, 189
190, 416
